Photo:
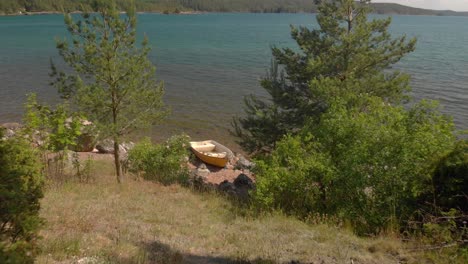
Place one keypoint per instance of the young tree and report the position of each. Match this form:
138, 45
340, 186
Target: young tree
346, 46
113, 82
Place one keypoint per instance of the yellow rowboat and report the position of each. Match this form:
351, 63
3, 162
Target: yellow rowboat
211, 152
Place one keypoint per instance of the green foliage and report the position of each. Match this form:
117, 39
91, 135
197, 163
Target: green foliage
21, 185
450, 179
164, 163
113, 81
444, 229
293, 178
83, 170
9, 6
52, 129
365, 162
348, 52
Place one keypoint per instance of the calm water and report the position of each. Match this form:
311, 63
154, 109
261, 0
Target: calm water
209, 62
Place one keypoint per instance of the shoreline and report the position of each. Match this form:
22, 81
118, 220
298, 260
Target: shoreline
42, 13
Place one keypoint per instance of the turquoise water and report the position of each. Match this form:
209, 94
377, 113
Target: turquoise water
208, 62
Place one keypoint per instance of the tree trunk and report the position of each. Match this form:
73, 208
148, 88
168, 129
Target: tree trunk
117, 161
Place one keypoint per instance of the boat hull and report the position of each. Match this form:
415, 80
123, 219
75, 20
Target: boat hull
209, 159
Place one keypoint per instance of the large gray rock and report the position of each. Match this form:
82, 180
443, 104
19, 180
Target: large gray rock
127, 146
243, 164
107, 146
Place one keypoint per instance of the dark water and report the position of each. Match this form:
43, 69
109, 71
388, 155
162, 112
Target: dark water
209, 62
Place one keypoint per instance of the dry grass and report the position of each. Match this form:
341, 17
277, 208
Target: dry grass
144, 222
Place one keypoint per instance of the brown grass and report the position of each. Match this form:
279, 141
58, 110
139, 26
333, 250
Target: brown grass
144, 222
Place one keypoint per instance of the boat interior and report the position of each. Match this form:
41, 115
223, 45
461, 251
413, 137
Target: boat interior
209, 149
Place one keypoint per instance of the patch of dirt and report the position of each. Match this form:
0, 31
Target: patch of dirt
218, 175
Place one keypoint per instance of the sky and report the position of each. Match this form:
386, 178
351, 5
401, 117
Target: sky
455, 5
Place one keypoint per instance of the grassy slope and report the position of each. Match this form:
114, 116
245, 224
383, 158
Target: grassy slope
144, 222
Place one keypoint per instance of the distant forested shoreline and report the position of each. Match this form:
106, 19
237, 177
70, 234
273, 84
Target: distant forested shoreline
12, 7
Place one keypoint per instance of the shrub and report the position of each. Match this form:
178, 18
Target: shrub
21, 185
450, 179
367, 164
164, 163
443, 217
52, 129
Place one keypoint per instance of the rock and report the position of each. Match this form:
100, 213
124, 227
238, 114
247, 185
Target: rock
9, 133
243, 185
227, 187
39, 138
10, 129
107, 146
12, 126
84, 143
202, 172
87, 140
243, 181
243, 164
127, 146
200, 183
203, 166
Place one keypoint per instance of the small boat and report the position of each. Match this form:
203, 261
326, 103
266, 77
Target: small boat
211, 152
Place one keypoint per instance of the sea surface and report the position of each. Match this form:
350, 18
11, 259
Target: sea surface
209, 62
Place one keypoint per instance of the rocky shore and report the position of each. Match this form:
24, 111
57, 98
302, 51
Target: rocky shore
234, 180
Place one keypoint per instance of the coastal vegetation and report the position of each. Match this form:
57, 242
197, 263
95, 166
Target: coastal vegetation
345, 169
176, 6
337, 137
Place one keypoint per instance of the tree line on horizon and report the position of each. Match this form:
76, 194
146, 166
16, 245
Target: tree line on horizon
175, 6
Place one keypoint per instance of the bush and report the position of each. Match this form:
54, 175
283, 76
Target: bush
21, 185
450, 179
367, 164
164, 163
52, 129
443, 217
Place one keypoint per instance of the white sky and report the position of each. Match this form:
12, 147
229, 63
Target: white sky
456, 5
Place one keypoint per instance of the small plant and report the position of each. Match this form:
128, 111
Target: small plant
83, 170
164, 163
52, 130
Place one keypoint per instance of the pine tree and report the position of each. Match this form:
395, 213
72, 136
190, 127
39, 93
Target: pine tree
114, 82
347, 53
